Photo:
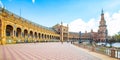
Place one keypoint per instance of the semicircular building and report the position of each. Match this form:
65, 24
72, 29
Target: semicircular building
15, 29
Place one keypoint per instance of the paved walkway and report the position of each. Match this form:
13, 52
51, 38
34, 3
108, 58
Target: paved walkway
45, 51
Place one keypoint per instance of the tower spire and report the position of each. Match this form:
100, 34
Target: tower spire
61, 23
102, 16
102, 28
102, 12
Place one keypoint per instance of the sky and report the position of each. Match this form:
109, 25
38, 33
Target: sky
80, 15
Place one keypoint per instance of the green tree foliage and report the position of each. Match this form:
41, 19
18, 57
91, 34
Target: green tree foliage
117, 37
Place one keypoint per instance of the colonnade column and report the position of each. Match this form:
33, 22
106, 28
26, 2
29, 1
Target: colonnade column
3, 33
14, 35
67, 32
61, 32
28, 36
22, 34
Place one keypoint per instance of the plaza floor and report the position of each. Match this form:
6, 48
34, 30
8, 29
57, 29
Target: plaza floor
46, 51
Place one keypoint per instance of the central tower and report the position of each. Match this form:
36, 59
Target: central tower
102, 31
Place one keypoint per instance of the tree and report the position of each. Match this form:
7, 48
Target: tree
117, 37
111, 40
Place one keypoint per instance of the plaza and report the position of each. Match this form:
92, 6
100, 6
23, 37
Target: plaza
48, 51
23, 36
16, 29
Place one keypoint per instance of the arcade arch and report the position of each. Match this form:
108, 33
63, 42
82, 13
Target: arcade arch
18, 32
0, 29
39, 35
36, 35
31, 34
25, 33
9, 30
9, 34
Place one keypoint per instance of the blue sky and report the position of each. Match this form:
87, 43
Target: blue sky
51, 12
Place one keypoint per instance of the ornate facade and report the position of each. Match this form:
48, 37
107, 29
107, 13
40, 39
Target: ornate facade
62, 31
15, 29
102, 31
102, 34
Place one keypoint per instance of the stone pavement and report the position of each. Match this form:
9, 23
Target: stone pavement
45, 51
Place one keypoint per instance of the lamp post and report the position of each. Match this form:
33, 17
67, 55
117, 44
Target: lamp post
91, 38
73, 39
80, 37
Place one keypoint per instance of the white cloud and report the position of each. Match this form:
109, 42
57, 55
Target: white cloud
64, 24
80, 25
33, 1
1, 4
112, 22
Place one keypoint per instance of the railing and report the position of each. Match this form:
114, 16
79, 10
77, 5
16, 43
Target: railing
112, 52
117, 53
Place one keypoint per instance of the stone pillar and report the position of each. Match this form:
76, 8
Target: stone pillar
14, 34
67, 32
28, 36
22, 34
61, 33
113, 52
3, 39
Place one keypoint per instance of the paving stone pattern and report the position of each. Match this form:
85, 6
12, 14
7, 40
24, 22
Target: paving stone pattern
43, 51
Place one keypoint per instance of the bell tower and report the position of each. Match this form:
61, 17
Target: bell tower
102, 31
102, 22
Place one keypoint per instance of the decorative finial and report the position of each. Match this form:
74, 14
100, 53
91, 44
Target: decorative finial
91, 30
102, 11
61, 23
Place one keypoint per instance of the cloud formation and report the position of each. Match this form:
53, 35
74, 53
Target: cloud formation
33, 1
80, 25
112, 21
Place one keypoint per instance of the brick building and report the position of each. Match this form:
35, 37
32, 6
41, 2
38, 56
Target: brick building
14, 28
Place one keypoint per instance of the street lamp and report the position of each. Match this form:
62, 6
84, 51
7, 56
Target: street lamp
91, 38
80, 37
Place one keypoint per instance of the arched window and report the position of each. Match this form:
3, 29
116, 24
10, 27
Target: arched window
9, 30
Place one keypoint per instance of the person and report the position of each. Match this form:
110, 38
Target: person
67, 41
